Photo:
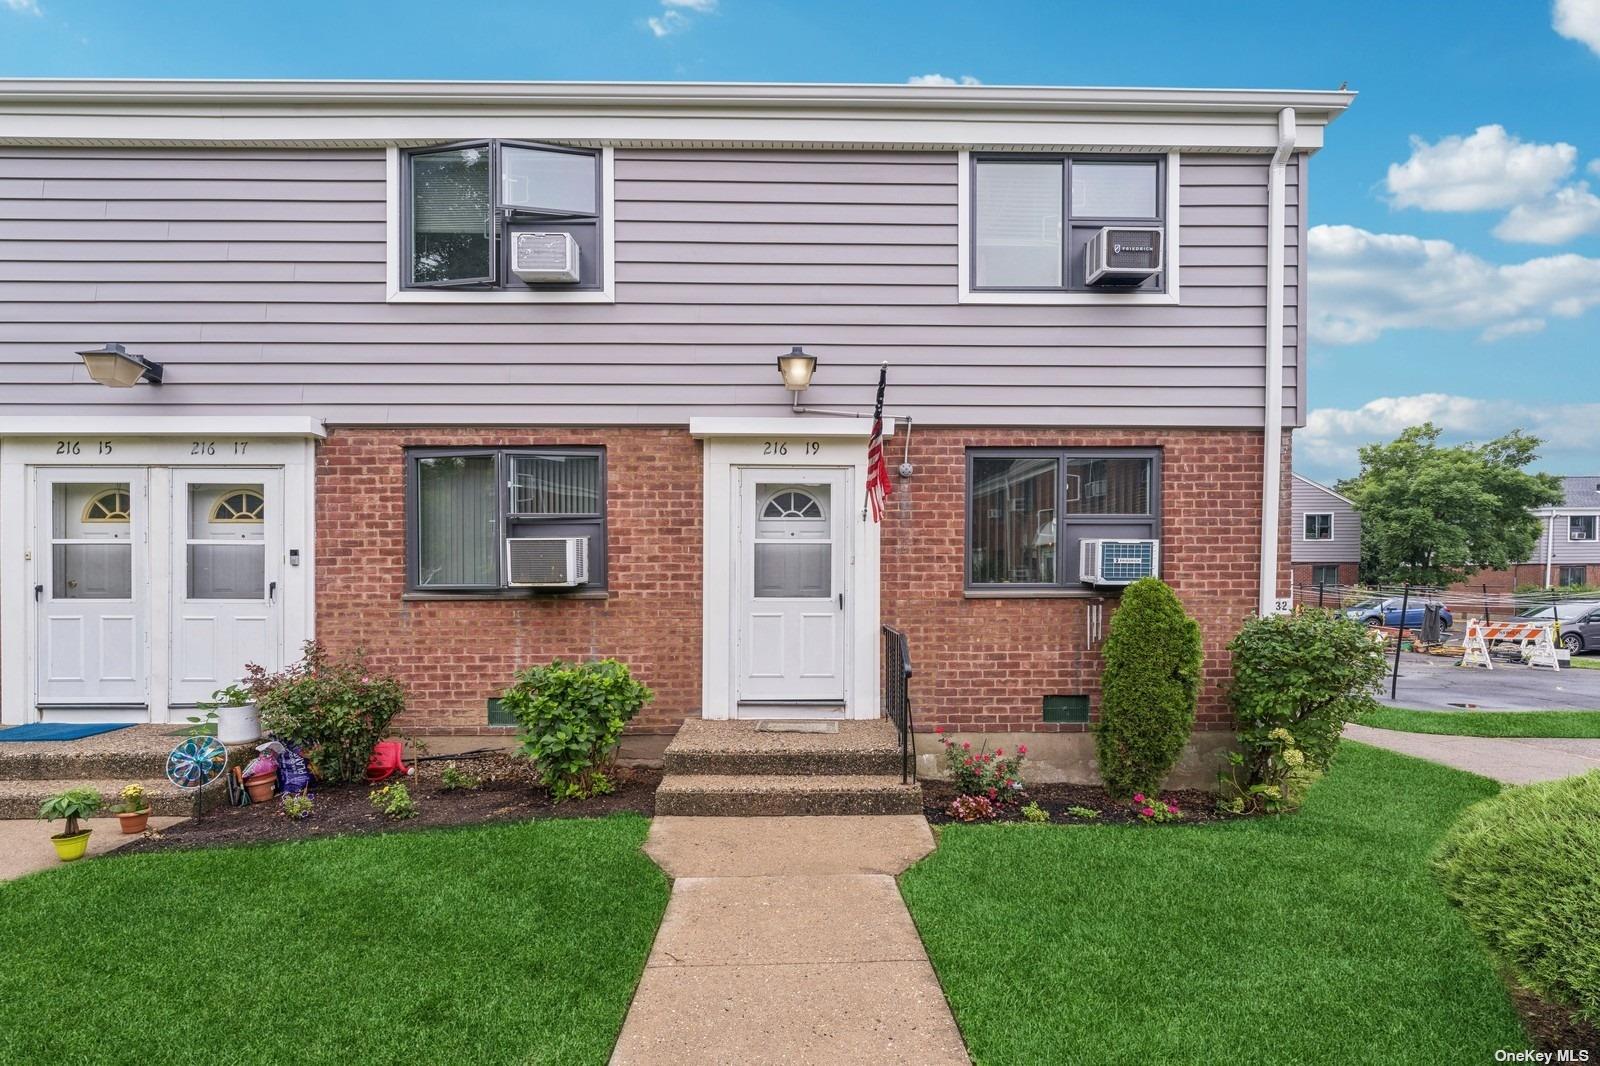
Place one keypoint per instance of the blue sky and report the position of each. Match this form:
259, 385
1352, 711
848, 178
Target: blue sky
1462, 285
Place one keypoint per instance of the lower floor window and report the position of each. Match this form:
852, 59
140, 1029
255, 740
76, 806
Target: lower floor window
1572, 576
1327, 574
1029, 510
463, 504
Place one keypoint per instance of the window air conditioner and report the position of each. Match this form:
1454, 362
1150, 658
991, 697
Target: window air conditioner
547, 562
1117, 562
542, 258
1119, 255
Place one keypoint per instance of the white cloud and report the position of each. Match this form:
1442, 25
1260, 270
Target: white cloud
942, 79
1569, 212
1332, 436
1367, 284
668, 22
1578, 20
25, 7
672, 18
1487, 170
1514, 328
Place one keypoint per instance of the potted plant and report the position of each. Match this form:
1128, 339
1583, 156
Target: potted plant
238, 720
73, 804
134, 809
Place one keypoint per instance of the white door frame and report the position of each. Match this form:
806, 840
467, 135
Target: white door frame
730, 444
159, 442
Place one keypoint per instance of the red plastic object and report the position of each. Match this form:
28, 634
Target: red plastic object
388, 759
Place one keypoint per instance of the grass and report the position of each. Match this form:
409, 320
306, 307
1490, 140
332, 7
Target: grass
1582, 724
1580, 663
1318, 937
510, 944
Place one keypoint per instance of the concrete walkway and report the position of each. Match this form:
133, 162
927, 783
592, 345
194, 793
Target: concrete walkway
786, 941
25, 842
1509, 760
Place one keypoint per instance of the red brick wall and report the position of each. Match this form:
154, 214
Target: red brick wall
1348, 573
986, 664
454, 655
981, 663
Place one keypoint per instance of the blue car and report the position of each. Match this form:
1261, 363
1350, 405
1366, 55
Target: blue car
1386, 612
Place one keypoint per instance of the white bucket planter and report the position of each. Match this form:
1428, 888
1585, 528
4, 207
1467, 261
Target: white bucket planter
238, 725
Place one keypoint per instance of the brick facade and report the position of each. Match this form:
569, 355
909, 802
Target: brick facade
1349, 573
982, 663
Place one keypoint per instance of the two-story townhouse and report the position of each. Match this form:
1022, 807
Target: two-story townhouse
1325, 535
408, 352
1567, 554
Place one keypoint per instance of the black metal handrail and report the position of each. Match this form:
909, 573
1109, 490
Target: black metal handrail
897, 692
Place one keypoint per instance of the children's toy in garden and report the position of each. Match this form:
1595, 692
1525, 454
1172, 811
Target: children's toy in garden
388, 759
195, 763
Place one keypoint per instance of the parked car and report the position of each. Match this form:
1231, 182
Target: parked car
1386, 612
1579, 622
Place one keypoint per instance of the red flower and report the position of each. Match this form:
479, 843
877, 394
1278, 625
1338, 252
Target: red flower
938, 729
1138, 797
1022, 749
966, 745
1148, 811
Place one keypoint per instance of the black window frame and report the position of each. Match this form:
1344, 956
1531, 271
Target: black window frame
504, 220
1066, 565
1566, 570
1071, 265
1593, 523
1305, 527
508, 522
1323, 568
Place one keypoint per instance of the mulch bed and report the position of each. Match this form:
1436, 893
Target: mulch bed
509, 793
1551, 1027
1197, 806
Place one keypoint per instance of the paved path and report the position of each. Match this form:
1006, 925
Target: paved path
786, 941
1509, 760
25, 842
1434, 683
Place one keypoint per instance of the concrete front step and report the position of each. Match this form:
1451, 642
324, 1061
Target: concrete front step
742, 747
744, 795
21, 799
134, 754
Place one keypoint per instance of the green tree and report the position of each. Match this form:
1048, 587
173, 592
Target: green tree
1149, 689
1434, 514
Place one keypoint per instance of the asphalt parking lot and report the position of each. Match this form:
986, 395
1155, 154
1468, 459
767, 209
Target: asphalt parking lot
1433, 683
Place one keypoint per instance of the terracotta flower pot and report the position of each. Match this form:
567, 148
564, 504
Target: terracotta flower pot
133, 821
260, 787
71, 848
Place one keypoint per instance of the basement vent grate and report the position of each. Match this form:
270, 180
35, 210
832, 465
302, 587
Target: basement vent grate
1066, 708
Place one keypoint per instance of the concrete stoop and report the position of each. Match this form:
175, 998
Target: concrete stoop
31, 772
738, 769
22, 798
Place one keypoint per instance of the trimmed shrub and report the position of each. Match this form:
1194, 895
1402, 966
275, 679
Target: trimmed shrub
335, 709
1297, 679
1149, 689
1523, 868
572, 715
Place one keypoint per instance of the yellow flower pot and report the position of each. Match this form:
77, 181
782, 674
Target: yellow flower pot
71, 848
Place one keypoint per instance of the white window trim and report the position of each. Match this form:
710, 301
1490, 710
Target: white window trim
967, 295
1572, 519
1316, 540
394, 220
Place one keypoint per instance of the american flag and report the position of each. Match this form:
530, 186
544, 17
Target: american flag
878, 484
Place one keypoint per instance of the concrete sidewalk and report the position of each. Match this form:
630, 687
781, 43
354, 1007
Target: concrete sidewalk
25, 842
1509, 760
786, 941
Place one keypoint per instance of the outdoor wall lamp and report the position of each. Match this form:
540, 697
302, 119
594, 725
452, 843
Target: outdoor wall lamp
797, 368
114, 365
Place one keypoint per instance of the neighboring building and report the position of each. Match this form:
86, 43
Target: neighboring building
1325, 532
385, 400
1568, 552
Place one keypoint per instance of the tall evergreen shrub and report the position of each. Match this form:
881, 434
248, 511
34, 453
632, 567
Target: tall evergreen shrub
1149, 689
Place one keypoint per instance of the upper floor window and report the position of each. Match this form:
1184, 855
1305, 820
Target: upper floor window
1034, 216
1582, 526
467, 209
1319, 527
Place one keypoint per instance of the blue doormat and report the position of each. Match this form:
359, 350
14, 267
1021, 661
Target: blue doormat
58, 731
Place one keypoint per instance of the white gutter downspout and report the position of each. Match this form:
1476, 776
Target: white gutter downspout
1272, 413
1549, 547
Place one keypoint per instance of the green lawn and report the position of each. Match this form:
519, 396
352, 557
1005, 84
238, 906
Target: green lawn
517, 943
1318, 937
1488, 723
1585, 663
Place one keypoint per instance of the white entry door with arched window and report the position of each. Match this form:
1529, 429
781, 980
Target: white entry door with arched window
792, 594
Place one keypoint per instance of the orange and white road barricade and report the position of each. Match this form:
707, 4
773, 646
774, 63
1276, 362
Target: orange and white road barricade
1535, 640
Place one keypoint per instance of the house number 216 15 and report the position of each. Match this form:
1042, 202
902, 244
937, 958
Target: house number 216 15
781, 447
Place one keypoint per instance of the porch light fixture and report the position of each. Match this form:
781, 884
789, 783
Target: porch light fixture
797, 368
114, 365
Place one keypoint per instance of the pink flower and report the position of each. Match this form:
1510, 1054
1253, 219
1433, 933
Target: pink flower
1148, 811
1138, 797
999, 751
1022, 749
966, 745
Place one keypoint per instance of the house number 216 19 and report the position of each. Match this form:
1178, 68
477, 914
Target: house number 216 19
781, 447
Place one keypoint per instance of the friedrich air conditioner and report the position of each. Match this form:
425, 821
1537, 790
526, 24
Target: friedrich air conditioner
1121, 255
1117, 562
547, 562
544, 258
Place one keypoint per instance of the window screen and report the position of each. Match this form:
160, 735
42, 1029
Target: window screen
1319, 527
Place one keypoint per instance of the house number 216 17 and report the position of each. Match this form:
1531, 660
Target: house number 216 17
781, 447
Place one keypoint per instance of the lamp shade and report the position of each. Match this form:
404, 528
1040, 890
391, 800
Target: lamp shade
797, 368
113, 365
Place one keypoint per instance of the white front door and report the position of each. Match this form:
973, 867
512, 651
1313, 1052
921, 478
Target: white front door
792, 590
227, 532
92, 589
